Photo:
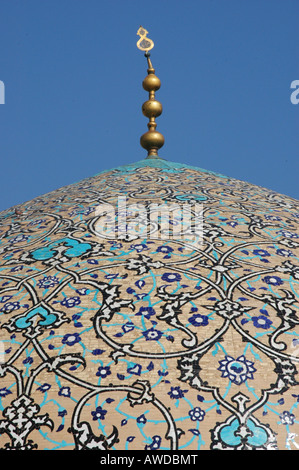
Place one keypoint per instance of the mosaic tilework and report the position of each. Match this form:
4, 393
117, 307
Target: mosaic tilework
148, 343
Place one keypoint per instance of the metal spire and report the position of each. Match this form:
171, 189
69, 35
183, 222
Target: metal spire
152, 140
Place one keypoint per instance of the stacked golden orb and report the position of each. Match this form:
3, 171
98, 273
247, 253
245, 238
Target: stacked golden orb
152, 140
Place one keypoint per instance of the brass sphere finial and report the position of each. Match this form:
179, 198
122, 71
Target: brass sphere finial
152, 140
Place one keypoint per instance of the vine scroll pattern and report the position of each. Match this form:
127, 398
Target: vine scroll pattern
149, 342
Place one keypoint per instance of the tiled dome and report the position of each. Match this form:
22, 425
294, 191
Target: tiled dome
145, 342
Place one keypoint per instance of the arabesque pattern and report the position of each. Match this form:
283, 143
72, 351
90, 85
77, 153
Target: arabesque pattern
148, 342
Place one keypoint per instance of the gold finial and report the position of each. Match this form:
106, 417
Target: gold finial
144, 43
152, 140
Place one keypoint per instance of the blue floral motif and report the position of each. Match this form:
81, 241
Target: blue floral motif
103, 372
285, 253
262, 322
82, 291
287, 234
99, 413
176, 392
71, 338
10, 307
64, 392
237, 370
199, 320
147, 312
261, 253
152, 334
197, 414
48, 281
273, 280
164, 249
129, 326
287, 418
171, 277
141, 419
139, 247
70, 302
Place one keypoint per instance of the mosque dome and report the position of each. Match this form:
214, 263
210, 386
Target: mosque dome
124, 327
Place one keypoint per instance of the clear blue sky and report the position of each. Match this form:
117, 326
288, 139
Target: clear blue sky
73, 93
